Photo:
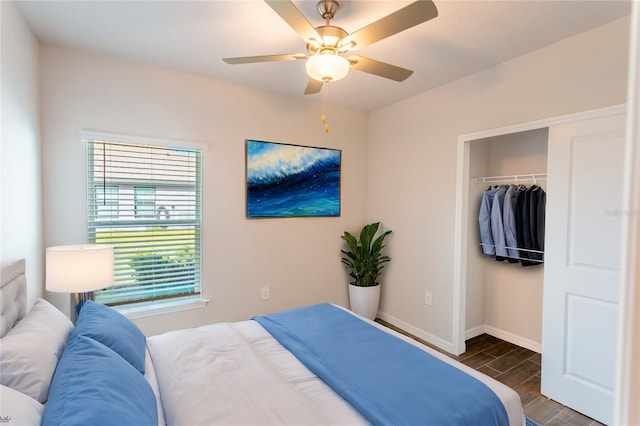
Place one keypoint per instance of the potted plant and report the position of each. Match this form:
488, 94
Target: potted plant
364, 261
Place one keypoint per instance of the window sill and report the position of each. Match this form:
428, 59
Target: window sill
158, 308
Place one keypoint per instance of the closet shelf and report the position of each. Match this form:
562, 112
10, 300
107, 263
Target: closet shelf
511, 178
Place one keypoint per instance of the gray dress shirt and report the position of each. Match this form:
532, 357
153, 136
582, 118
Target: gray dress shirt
484, 220
497, 228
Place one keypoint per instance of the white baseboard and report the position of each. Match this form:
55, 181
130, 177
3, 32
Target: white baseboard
504, 335
428, 337
470, 333
475, 331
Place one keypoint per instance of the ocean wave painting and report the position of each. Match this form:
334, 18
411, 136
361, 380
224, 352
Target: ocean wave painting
291, 180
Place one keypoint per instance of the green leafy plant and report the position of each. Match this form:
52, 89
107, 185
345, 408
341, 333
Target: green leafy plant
364, 259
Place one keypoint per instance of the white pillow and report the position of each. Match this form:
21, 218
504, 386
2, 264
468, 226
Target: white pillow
30, 351
19, 409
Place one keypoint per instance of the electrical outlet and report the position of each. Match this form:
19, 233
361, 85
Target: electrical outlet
265, 293
428, 298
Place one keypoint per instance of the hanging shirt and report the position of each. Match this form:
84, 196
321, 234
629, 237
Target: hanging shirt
484, 220
497, 229
536, 221
509, 222
521, 220
542, 206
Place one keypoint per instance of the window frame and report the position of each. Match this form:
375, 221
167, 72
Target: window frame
161, 304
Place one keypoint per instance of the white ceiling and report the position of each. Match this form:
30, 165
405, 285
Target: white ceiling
194, 36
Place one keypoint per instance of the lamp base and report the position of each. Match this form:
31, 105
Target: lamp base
81, 299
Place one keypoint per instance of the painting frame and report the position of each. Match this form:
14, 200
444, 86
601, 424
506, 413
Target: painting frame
285, 180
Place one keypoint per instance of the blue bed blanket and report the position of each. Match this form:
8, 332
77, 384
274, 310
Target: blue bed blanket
390, 382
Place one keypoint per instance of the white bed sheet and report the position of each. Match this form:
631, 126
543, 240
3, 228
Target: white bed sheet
150, 375
238, 374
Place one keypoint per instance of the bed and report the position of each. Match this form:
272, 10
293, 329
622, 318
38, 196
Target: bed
317, 364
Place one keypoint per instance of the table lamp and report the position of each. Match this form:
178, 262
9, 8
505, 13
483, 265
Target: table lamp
79, 269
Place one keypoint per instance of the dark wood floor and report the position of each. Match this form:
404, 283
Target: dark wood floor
518, 368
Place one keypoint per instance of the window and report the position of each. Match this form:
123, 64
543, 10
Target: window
145, 201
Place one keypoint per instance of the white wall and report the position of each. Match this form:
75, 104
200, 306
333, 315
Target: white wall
298, 258
21, 199
412, 156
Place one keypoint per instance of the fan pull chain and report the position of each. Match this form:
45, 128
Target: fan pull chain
325, 95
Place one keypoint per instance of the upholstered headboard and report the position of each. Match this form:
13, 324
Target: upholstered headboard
13, 296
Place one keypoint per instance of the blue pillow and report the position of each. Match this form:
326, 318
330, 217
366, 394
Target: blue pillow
114, 330
93, 385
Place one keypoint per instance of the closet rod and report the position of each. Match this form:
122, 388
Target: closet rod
514, 248
518, 257
511, 178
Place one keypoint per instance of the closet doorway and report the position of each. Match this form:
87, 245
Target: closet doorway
504, 296
485, 297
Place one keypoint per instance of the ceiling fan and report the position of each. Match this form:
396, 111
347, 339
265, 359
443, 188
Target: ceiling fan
329, 45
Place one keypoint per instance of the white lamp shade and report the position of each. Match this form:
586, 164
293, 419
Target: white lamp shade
328, 66
79, 268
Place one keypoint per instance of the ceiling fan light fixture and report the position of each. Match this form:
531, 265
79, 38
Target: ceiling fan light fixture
327, 67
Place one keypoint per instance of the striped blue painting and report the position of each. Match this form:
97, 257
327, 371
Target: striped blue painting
292, 181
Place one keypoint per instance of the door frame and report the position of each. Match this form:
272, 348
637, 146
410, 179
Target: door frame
463, 181
626, 408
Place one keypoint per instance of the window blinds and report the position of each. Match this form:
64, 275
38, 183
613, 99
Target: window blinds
145, 201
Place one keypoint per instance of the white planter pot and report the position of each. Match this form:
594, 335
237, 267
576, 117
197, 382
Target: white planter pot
364, 300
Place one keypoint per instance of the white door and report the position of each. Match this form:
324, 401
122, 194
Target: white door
582, 252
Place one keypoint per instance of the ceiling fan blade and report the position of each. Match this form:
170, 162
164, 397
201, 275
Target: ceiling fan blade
296, 20
400, 20
264, 58
314, 86
378, 68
